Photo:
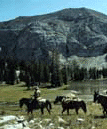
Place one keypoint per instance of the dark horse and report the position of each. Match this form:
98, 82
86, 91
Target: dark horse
36, 104
68, 103
102, 99
73, 104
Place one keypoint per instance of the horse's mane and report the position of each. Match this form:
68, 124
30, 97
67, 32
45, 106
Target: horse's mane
25, 99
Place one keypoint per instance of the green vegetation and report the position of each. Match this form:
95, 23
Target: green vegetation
12, 93
45, 72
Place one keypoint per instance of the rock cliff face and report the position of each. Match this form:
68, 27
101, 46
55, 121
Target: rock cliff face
79, 32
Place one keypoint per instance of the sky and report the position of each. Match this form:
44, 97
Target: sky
10, 9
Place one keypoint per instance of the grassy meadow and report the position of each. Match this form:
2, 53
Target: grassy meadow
12, 93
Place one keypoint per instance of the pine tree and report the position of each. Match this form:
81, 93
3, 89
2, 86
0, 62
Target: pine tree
55, 70
65, 75
22, 65
11, 72
75, 70
36, 71
93, 73
40, 72
2, 69
27, 80
104, 72
46, 72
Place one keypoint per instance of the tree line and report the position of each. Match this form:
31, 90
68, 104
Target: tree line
42, 71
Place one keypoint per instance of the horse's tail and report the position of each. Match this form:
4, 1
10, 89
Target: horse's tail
49, 104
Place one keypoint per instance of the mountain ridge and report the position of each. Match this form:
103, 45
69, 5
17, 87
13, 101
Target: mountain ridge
78, 32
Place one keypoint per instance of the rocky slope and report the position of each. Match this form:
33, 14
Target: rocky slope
79, 33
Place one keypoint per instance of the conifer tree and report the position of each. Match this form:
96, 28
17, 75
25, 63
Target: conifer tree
104, 72
64, 75
40, 72
11, 72
27, 80
93, 73
46, 72
55, 70
2, 68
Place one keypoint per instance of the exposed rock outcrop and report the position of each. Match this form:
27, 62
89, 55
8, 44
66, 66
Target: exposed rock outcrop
77, 32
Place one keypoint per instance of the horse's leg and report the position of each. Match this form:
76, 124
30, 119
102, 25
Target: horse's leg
63, 110
106, 111
76, 110
31, 112
27, 113
67, 111
48, 110
42, 111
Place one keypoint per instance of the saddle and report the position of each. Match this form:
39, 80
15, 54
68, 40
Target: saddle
39, 99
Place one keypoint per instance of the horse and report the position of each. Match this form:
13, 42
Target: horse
102, 99
35, 104
73, 104
39, 104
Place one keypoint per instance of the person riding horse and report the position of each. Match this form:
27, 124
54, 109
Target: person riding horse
36, 93
36, 102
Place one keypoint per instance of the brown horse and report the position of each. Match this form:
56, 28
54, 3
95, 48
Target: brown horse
73, 104
34, 104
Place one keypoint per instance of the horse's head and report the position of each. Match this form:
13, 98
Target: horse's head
21, 103
58, 99
96, 95
83, 105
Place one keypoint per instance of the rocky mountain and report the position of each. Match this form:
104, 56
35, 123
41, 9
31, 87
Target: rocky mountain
76, 33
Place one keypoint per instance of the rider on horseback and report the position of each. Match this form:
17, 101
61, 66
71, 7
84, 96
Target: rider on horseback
36, 93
